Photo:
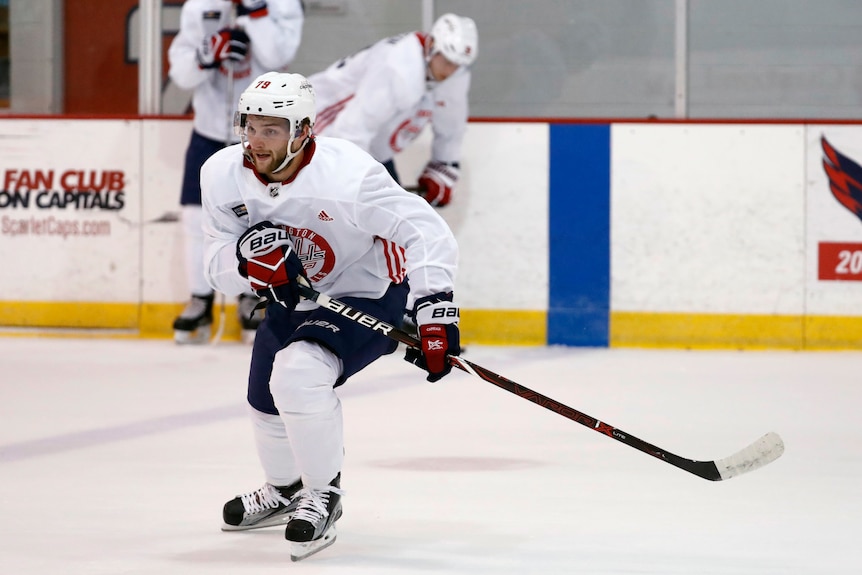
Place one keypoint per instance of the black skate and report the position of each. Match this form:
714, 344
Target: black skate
249, 317
312, 528
194, 324
265, 507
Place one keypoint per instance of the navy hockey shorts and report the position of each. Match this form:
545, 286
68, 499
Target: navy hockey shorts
356, 345
200, 148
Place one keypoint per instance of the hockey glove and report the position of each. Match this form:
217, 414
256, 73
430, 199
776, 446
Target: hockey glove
227, 44
437, 181
437, 325
251, 8
266, 257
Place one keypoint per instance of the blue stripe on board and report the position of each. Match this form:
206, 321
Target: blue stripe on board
579, 241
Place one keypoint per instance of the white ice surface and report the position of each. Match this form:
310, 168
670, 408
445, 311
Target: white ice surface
116, 457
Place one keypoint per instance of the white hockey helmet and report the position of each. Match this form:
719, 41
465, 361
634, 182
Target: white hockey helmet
456, 38
281, 95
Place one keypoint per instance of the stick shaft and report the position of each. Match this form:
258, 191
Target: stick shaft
765, 450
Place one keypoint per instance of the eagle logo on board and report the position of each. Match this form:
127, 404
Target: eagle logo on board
845, 178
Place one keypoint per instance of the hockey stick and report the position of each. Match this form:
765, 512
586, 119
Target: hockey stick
763, 451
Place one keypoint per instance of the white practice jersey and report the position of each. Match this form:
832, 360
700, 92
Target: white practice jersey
274, 40
355, 230
380, 100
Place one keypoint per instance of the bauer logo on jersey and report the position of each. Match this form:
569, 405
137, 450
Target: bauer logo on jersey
314, 252
241, 211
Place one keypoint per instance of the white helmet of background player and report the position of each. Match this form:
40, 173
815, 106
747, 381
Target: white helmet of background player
456, 38
281, 95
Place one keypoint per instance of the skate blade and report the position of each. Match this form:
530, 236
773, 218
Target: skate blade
277, 521
247, 336
196, 337
299, 551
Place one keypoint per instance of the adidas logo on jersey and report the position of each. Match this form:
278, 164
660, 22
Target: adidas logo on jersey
324, 216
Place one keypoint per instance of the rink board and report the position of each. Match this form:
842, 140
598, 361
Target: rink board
589, 234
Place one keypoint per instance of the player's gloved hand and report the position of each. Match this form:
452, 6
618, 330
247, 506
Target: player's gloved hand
437, 181
267, 258
437, 325
229, 44
251, 8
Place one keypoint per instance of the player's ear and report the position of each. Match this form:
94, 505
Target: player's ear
304, 129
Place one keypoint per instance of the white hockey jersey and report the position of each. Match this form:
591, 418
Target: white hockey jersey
353, 227
274, 40
380, 99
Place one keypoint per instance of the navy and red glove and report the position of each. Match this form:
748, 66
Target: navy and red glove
267, 258
437, 182
251, 8
227, 44
436, 320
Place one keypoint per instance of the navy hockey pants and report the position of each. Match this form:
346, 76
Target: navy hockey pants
199, 150
356, 345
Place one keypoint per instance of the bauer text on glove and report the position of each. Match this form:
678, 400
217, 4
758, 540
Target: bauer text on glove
437, 325
267, 258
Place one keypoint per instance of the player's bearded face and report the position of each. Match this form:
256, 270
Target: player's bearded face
267, 141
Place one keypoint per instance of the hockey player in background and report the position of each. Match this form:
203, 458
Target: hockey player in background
285, 206
382, 97
221, 46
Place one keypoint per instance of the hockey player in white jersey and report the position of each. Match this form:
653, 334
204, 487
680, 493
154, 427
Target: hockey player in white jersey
221, 46
285, 204
382, 97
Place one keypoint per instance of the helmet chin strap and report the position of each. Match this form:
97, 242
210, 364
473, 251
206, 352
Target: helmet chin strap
288, 155
291, 155
246, 150
287, 158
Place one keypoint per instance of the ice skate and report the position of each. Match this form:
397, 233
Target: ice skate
266, 507
249, 317
312, 528
194, 324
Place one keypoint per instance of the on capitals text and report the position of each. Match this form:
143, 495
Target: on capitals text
70, 189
